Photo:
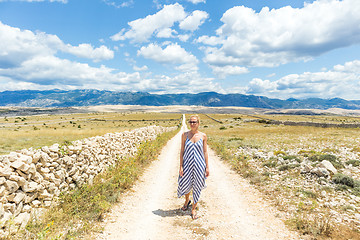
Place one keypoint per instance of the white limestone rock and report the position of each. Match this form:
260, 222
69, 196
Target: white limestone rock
11, 186
31, 187
328, 166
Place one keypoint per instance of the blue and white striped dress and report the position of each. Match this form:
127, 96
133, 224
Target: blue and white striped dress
194, 170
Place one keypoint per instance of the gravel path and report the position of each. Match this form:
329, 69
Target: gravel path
229, 208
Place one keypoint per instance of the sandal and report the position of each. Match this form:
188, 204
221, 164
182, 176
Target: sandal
185, 207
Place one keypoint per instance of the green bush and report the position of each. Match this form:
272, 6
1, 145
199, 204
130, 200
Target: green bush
288, 166
292, 157
343, 179
355, 163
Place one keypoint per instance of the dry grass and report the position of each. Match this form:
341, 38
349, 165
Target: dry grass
37, 131
288, 195
78, 211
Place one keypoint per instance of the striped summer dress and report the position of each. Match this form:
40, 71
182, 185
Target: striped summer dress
194, 170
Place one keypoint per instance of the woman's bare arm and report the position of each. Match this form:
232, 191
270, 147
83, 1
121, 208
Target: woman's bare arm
183, 139
207, 172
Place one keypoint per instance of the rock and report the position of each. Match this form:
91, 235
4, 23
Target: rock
18, 209
2, 191
7, 216
305, 168
27, 208
18, 164
2, 180
45, 170
19, 180
26, 159
19, 197
320, 172
30, 197
11, 186
5, 172
31, 187
328, 166
10, 207
36, 203
22, 219
36, 157
32, 169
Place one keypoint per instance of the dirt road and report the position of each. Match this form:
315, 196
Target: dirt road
229, 207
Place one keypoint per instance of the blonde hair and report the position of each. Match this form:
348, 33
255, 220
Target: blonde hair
195, 116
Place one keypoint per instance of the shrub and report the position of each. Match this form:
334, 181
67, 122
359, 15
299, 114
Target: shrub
270, 163
222, 128
288, 166
355, 163
343, 179
292, 157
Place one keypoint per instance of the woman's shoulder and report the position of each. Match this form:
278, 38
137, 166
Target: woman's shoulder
203, 135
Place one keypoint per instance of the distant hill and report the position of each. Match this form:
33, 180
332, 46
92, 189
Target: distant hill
61, 98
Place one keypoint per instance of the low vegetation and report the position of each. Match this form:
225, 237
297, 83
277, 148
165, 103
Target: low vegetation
284, 163
40, 130
78, 211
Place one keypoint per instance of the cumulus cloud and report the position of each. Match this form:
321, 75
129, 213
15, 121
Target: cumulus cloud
119, 5
182, 83
278, 36
342, 81
87, 51
53, 71
194, 20
171, 54
196, 1
143, 28
64, 74
18, 45
143, 68
222, 72
62, 1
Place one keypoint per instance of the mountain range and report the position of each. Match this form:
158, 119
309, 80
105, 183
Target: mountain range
72, 98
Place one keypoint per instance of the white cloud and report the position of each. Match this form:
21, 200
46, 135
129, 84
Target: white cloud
171, 54
87, 51
342, 81
119, 5
182, 83
196, 1
143, 68
64, 74
18, 45
62, 1
143, 28
184, 37
278, 36
166, 33
222, 72
193, 21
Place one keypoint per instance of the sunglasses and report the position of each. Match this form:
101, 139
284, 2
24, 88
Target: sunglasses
193, 122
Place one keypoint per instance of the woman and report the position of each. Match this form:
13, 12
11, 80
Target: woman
194, 167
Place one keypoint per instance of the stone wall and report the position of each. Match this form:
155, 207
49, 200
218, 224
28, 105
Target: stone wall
30, 179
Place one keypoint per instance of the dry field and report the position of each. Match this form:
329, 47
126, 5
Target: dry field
281, 162
41, 130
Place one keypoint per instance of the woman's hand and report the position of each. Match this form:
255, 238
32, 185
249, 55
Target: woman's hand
181, 171
207, 172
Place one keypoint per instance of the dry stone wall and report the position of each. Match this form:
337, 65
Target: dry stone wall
31, 179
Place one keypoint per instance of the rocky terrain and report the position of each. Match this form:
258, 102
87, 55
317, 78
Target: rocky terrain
321, 181
31, 179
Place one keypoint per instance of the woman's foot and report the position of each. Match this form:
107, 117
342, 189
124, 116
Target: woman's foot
193, 215
186, 206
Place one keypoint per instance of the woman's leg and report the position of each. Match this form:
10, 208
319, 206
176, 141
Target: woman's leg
193, 211
186, 204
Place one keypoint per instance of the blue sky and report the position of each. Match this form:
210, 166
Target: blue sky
279, 49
